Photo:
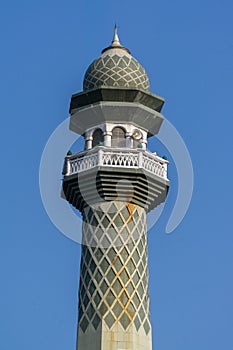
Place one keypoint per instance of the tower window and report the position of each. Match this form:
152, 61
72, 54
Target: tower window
118, 137
98, 138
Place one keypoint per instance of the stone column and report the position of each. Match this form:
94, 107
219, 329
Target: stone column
88, 140
113, 290
129, 140
108, 138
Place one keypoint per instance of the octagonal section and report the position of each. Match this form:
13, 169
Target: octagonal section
133, 176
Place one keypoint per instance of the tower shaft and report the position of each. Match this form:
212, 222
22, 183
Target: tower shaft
113, 290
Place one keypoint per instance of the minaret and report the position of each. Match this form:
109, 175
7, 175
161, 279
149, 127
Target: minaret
114, 183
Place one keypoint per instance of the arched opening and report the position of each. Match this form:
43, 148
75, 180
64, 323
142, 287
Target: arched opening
98, 138
135, 143
118, 137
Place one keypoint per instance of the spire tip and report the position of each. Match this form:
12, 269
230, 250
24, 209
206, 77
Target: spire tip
116, 41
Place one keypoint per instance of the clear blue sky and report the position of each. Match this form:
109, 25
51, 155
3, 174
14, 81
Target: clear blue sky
187, 50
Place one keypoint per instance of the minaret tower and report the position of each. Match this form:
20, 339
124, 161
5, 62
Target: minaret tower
114, 183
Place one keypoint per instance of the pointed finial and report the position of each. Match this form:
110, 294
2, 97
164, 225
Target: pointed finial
115, 42
115, 28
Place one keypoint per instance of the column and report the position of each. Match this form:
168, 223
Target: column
129, 140
88, 140
108, 138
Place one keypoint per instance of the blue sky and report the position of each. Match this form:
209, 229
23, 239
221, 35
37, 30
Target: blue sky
187, 50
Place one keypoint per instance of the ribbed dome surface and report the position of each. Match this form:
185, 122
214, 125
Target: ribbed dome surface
116, 68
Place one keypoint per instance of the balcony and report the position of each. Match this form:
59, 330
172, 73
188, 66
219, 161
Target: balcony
115, 158
108, 174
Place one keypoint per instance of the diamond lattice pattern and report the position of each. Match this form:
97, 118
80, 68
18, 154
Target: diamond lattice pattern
116, 71
114, 270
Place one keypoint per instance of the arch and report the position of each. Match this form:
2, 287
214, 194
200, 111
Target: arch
118, 137
98, 137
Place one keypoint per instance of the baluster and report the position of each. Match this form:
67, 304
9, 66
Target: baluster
100, 157
69, 170
165, 170
140, 159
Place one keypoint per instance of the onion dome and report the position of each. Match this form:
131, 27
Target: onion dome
116, 68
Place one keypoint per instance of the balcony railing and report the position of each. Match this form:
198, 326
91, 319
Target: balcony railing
117, 158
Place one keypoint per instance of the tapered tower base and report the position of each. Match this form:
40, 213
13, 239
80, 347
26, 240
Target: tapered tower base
113, 291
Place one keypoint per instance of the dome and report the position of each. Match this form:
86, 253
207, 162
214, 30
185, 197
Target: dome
116, 68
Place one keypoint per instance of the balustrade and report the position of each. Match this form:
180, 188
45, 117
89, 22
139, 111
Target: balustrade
101, 156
